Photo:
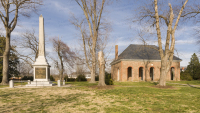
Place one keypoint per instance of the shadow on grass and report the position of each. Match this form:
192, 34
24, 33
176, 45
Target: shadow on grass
154, 83
193, 86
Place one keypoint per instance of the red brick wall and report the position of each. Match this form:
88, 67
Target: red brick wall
123, 68
114, 71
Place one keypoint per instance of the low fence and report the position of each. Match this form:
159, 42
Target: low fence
13, 83
21, 82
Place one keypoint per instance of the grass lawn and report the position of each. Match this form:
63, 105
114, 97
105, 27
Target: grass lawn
15, 84
124, 97
2, 86
20, 83
193, 82
81, 83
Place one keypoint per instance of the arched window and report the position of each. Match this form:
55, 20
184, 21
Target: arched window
151, 73
141, 73
172, 73
129, 73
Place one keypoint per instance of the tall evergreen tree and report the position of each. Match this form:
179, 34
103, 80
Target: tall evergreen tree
194, 67
2, 44
13, 60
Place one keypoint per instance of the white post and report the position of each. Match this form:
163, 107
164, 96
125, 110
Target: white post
11, 84
58, 83
29, 82
63, 82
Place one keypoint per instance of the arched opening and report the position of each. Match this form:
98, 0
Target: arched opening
151, 73
118, 75
172, 73
129, 73
141, 73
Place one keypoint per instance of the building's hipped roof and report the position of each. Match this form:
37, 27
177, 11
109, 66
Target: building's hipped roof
142, 52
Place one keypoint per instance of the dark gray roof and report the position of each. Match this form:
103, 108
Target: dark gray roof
147, 52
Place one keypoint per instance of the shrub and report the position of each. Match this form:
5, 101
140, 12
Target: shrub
81, 78
66, 78
27, 78
111, 82
51, 78
69, 79
186, 76
108, 79
1, 78
97, 78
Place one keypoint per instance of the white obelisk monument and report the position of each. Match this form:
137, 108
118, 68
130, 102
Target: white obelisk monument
41, 68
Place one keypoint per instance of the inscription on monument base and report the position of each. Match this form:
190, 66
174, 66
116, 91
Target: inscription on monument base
40, 73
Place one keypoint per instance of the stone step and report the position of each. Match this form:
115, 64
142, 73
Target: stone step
31, 85
41, 83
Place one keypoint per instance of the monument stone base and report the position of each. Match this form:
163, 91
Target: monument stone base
41, 75
40, 83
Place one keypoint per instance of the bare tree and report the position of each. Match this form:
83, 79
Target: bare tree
151, 14
92, 10
24, 69
65, 55
80, 69
9, 9
192, 13
29, 42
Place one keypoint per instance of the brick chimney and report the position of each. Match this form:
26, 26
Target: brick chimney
116, 52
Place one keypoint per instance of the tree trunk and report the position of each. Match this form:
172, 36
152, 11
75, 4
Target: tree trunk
163, 73
93, 72
146, 77
6, 55
146, 71
61, 74
101, 69
102, 75
61, 69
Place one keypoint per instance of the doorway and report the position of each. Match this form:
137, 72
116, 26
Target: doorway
151, 73
141, 73
129, 73
172, 73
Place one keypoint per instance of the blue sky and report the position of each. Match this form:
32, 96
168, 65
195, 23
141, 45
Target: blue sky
57, 13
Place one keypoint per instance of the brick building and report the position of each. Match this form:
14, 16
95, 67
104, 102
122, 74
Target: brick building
139, 61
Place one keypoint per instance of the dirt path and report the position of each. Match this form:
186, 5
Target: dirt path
185, 84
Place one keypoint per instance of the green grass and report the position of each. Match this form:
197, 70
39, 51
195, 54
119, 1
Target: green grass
193, 82
82, 83
20, 83
15, 84
147, 99
125, 97
2, 86
135, 83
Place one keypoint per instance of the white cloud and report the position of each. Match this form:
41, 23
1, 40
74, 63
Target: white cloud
190, 41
